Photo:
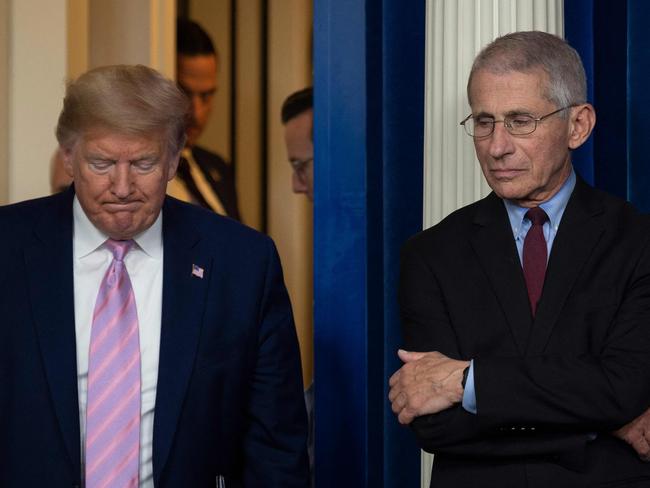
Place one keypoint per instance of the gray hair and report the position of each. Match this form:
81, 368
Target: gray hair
527, 51
133, 100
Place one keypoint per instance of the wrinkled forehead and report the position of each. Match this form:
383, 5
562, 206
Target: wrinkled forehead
119, 137
533, 82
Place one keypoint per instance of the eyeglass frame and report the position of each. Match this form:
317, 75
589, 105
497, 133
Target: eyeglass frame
537, 120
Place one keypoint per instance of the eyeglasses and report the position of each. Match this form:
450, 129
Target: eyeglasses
517, 125
300, 165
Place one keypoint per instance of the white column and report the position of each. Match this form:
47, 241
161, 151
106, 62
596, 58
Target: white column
456, 32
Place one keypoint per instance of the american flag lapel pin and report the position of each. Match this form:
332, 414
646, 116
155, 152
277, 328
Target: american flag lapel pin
197, 271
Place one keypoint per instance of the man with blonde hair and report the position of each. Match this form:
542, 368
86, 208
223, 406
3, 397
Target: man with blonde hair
144, 341
525, 315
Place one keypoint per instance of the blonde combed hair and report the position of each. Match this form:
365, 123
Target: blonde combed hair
132, 100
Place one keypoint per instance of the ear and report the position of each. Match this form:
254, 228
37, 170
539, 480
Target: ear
173, 166
67, 157
581, 123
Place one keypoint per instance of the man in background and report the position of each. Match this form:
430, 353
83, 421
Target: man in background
298, 119
203, 177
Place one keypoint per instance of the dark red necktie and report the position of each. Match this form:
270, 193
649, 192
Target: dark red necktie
534, 258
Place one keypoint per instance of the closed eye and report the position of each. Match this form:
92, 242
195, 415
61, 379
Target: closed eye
521, 121
100, 165
144, 165
484, 122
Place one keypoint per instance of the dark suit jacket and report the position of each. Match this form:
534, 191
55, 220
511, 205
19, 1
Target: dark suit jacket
218, 174
544, 387
229, 398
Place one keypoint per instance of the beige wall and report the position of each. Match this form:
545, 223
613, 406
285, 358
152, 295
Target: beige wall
37, 71
4, 101
118, 33
132, 32
248, 144
289, 215
78, 16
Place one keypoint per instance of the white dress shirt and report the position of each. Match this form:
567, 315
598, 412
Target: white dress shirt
144, 263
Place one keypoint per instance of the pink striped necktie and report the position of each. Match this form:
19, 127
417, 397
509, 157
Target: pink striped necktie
113, 408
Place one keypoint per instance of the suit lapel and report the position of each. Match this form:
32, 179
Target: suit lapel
496, 250
49, 273
182, 310
579, 232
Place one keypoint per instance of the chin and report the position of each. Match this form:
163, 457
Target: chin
508, 190
193, 136
122, 232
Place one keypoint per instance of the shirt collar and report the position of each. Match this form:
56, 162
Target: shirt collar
87, 237
554, 207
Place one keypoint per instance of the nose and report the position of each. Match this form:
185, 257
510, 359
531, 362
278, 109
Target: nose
298, 183
500, 142
122, 183
197, 106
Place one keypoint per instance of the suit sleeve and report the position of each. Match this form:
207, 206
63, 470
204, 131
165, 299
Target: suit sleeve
276, 441
532, 405
426, 326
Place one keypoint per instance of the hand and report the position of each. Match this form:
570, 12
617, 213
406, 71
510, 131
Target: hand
429, 382
637, 435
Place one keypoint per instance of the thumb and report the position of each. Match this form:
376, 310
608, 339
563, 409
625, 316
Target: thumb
408, 356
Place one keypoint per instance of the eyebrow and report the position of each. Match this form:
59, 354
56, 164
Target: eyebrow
97, 156
509, 113
144, 157
102, 157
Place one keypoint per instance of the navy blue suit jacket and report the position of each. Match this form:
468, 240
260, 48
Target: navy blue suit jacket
229, 398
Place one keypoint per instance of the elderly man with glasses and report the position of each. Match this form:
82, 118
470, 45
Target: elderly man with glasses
526, 315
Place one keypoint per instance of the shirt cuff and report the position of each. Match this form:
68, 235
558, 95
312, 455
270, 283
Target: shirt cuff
469, 395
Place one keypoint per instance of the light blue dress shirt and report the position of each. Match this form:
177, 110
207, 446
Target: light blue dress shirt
554, 208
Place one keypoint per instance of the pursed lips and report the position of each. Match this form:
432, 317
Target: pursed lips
506, 172
122, 206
